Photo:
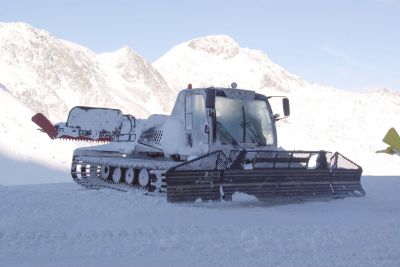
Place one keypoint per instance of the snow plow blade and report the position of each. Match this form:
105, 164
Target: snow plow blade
45, 125
267, 175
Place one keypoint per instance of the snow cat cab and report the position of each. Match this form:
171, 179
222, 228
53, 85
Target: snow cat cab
216, 142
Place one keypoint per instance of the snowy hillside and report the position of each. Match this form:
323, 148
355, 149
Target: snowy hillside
135, 83
27, 156
352, 123
51, 76
322, 117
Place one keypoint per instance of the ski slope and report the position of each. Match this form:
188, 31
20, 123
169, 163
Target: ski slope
66, 225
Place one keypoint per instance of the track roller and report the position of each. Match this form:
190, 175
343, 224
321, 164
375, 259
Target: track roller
117, 174
130, 176
144, 178
105, 172
84, 171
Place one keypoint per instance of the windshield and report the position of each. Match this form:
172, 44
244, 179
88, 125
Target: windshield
243, 121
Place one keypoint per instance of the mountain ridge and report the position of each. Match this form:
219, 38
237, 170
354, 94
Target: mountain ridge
250, 68
52, 75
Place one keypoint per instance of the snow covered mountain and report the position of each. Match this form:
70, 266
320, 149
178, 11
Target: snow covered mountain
219, 60
51, 75
40, 73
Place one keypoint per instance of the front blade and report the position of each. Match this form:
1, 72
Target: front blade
346, 177
278, 184
291, 175
267, 175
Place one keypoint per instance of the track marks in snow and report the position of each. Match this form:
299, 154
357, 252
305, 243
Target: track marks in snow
63, 224
247, 245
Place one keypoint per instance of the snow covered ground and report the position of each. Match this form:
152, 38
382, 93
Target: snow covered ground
66, 225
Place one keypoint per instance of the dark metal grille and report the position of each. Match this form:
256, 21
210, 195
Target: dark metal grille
267, 175
157, 136
209, 162
278, 159
341, 162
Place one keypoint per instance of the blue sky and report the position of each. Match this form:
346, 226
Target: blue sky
351, 44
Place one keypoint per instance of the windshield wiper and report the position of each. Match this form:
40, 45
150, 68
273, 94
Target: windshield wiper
255, 135
225, 132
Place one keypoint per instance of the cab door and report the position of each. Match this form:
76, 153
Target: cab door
196, 123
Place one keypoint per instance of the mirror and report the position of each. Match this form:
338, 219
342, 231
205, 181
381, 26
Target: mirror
283, 107
286, 106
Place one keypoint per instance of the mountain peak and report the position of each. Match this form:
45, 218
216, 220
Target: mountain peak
216, 45
126, 57
225, 61
125, 50
16, 25
20, 29
124, 54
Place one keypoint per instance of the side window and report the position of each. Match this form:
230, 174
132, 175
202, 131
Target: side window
195, 119
199, 111
200, 135
188, 112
